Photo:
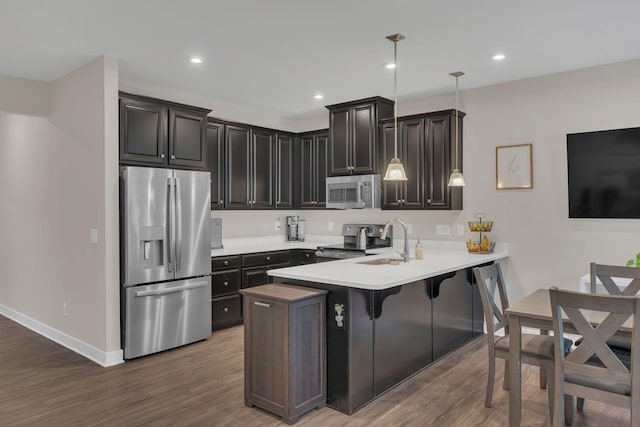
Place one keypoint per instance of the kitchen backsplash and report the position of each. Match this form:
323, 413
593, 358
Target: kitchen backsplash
318, 222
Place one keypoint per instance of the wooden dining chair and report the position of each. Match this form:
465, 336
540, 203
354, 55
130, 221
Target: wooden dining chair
536, 349
607, 275
609, 381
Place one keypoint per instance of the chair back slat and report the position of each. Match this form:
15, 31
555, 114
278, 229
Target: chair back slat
607, 273
491, 286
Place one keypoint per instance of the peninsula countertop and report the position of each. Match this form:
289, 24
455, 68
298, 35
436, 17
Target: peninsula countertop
439, 258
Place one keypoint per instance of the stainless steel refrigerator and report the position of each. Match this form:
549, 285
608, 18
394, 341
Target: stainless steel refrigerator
165, 258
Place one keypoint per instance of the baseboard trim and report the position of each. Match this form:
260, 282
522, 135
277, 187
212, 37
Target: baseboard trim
98, 356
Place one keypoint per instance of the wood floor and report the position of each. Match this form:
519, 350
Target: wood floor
44, 384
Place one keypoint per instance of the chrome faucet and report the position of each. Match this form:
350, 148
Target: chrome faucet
405, 254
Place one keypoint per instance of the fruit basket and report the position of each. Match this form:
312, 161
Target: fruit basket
483, 245
478, 247
480, 226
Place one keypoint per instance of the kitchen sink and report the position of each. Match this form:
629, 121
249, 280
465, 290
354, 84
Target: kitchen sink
381, 261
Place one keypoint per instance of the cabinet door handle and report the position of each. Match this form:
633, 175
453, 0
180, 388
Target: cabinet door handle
226, 283
225, 309
221, 201
226, 262
262, 304
173, 157
162, 155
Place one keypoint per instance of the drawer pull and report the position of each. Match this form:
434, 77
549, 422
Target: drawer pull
225, 309
307, 255
226, 262
268, 258
262, 304
226, 283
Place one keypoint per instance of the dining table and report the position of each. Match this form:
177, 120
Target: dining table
534, 311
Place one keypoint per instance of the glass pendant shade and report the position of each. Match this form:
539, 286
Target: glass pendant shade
395, 171
456, 179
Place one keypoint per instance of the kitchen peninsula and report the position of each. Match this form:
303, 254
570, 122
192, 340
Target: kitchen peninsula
387, 321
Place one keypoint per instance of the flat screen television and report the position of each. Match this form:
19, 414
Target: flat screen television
604, 174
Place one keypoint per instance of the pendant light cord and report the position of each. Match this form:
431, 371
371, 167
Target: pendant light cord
395, 98
457, 122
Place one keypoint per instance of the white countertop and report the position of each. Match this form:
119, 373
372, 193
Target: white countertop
439, 258
246, 245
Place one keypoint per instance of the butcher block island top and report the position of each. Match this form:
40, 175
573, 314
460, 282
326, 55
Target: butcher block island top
439, 258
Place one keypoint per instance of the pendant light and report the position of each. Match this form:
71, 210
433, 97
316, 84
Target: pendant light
395, 170
456, 179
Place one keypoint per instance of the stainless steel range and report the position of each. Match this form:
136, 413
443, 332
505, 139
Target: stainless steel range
357, 239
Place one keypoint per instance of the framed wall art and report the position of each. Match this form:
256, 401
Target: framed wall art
514, 167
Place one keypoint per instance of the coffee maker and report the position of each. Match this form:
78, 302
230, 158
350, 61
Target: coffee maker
295, 229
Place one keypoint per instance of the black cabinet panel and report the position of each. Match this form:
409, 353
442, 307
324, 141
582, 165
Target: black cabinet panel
187, 139
426, 151
262, 173
238, 167
452, 312
340, 135
154, 132
284, 171
402, 335
438, 162
215, 162
226, 311
353, 135
142, 131
364, 139
313, 170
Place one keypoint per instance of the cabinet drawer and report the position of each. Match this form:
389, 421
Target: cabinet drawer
266, 258
225, 263
226, 282
226, 311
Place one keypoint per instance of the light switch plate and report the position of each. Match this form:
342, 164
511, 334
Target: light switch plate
460, 230
443, 230
330, 226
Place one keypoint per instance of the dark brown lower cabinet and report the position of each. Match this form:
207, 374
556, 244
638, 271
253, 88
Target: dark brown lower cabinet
285, 351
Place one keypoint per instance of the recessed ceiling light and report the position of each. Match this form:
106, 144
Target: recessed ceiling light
498, 57
318, 96
391, 66
195, 60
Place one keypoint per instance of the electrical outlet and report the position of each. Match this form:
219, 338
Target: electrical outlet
278, 224
443, 230
330, 226
93, 235
65, 309
460, 230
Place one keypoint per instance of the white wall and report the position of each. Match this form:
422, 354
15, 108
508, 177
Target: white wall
547, 248
58, 179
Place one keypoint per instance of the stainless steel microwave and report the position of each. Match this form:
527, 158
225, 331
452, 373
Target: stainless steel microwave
353, 191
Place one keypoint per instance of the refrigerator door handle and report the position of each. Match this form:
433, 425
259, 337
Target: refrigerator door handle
170, 224
171, 290
178, 224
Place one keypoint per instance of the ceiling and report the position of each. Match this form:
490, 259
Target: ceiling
277, 54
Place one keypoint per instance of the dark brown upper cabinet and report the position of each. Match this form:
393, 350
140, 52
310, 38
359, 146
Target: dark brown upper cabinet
250, 155
154, 132
426, 149
215, 162
411, 144
313, 169
353, 135
284, 178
